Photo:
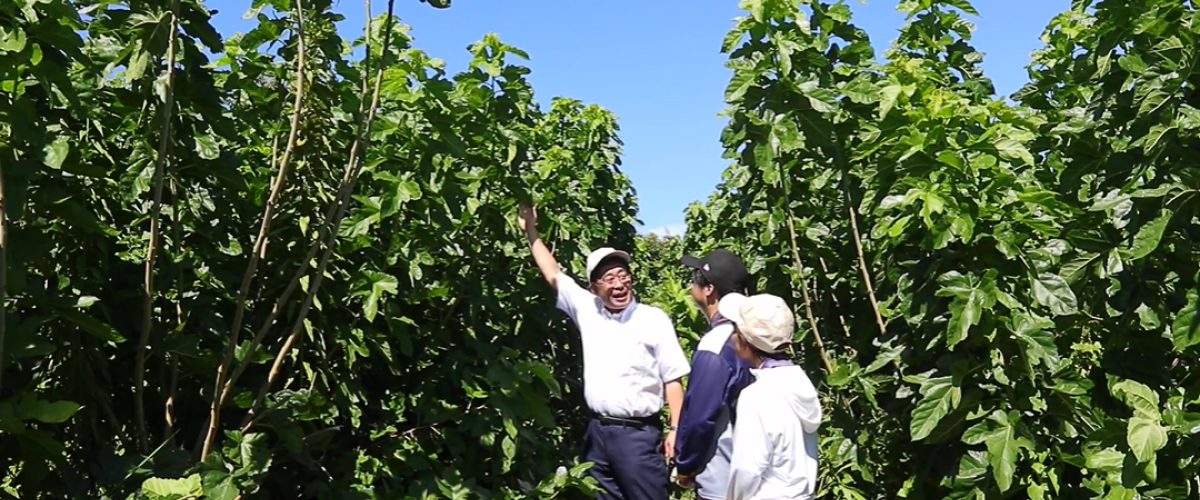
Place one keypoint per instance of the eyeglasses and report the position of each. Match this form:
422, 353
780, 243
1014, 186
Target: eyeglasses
612, 278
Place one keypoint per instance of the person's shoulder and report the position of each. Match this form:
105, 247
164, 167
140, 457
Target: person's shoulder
652, 313
715, 339
754, 395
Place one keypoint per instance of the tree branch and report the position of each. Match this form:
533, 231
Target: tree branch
353, 168
3, 273
862, 261
808, 312
164, 143
219, 393
812, 322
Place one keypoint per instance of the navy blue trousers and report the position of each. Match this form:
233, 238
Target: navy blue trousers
629, 461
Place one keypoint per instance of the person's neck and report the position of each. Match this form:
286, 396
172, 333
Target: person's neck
711, 311
617, 311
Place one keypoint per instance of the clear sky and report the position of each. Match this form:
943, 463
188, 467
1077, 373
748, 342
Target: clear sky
657, 65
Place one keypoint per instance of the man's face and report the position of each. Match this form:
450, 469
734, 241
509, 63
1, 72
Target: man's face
701, 291
615, 288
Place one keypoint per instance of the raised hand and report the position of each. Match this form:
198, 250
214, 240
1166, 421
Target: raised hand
527, 218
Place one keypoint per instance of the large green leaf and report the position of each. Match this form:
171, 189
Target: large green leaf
55, 153
999, 433
1138, 397
971, 298
1145, 437
1149, 236
940, 397
1185, 331
1052, 291
173, 489
50, 412
93, 326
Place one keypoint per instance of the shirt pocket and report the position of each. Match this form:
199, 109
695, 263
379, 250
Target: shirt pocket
643, 357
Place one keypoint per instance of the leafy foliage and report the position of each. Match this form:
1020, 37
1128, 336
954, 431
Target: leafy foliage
1032, 264
431, 364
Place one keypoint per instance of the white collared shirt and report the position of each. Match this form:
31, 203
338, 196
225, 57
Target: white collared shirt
627, 356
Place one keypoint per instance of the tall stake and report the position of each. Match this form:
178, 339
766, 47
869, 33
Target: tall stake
139, 369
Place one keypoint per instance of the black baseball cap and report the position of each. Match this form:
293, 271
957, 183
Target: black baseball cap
721, 268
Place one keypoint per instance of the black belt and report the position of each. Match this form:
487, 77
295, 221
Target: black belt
651, 421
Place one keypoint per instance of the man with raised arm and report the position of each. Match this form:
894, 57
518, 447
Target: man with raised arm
632, 362
705, 442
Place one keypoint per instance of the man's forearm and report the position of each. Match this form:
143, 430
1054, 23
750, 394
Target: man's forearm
674, 391
545, 260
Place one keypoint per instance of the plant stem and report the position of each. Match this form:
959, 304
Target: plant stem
353, 167
862, 262
812, 322
260, 243
164, 143
833, 294
808, 312
3, 274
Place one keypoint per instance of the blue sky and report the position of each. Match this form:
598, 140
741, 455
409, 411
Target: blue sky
657, 65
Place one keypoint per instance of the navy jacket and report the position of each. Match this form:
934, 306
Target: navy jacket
716, 380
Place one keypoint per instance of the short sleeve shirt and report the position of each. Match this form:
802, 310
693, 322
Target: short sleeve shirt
627, 356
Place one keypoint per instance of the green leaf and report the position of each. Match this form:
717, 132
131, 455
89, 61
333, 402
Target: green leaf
93, 326
1003, 446
1139, 397
888, 97
1113, 266
509, 448
1154, 136
137, 63
255, 454
1038, 344
207, 147
1149, 236
219, 486
1052, 291
1185, 331
965, 6
1132, 63
55, 153
1013, 150
407, 190
1105, 460
1145, 436
754, 7
971, 299
940, 397
12, 39
48, 412
379, 284
999, 433
173, 489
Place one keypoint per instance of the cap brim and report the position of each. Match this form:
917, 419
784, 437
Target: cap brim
730, 307
692, 262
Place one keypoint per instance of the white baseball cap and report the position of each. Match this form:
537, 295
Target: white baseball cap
600, 254
764, 320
